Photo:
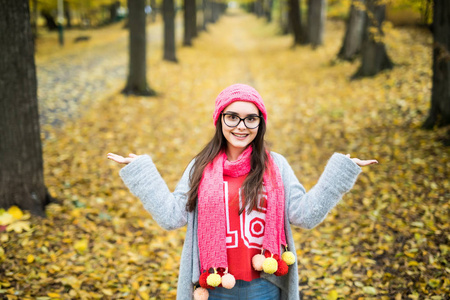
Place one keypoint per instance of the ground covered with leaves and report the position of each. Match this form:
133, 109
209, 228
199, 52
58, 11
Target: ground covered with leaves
387, 239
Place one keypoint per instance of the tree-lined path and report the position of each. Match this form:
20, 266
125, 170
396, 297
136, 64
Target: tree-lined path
387, 239
74, 78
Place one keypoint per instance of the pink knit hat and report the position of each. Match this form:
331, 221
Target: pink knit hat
238, 92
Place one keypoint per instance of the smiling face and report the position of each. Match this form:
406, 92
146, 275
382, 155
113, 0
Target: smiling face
239, 137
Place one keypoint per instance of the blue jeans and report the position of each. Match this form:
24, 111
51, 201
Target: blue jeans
257, 289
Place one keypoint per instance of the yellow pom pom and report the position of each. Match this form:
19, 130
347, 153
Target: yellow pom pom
288, 257
270, 265
201, 294
213, 280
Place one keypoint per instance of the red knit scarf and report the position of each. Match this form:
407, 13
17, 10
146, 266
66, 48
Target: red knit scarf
211, 208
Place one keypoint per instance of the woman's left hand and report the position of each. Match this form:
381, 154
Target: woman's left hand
362, 163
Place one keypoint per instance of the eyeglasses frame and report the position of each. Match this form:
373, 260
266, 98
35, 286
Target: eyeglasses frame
241, 120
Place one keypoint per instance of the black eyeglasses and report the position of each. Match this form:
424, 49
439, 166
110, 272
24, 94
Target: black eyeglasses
233, 120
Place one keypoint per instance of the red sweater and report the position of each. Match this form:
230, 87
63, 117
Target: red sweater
245, 232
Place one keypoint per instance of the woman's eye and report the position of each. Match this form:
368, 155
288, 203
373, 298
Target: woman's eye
231, 117
252, 119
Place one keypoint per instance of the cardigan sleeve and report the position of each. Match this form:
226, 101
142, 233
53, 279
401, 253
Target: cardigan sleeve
144, 181
308, 209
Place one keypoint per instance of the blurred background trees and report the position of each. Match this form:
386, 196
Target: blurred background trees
366, 23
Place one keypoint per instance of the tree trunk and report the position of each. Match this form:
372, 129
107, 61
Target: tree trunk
439, 114
316, 21
268, 10
137, 73
204, 11
215, 11
284, 18
295, 22
35, 18
352, 43
113, 7
169, 30
208, 12
259, 8
21, 172
153, 13
374, 55
67, 14
49, 20
190, 22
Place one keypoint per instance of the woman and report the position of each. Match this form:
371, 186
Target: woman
238, 201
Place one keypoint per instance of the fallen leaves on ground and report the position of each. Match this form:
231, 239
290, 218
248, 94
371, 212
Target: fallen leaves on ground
387, 239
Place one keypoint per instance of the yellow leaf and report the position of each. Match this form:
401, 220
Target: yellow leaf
15, 212
6, 219
144, 295
369, 290
72, 281
19, 226
413, 263
53, 295
81, 245
30, 258
107, 292
332, 295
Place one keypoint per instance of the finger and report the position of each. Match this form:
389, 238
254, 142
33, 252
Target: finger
117, 158
370, 162
365, 162
113, 156
132, 155
348, 155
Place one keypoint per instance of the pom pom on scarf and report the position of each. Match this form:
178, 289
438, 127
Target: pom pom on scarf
288, 257
282, 268
202, 281
257, 262
201, 294
270, 265
268, 254
228, 281
213, 280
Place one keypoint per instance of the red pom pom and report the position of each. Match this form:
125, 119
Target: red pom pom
283, 268
268, 254
202, 281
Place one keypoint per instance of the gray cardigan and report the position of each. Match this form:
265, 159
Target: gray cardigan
304, 209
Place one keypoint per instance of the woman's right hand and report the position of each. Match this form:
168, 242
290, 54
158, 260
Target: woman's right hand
120, 159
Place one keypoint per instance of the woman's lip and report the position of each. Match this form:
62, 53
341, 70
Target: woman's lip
244, 135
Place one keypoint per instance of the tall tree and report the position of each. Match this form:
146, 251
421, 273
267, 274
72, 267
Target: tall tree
374, 56
204, 14
259, 9
284, 16
316, 21
21, 171
295, 22
137, 72
268, 7
154, 10
169, 30
190, 21
439, 113
352, 43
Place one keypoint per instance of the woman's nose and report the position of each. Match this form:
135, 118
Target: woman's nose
241, 125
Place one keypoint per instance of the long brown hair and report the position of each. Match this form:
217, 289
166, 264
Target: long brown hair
253, 184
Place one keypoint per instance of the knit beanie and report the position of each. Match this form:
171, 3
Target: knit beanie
238, 92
